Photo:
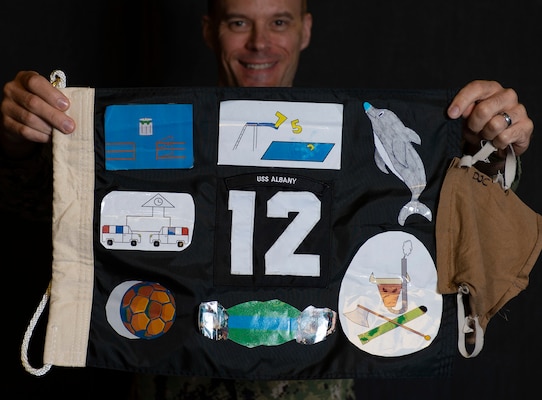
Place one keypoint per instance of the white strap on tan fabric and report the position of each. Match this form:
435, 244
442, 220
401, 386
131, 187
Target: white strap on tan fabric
485, 151
467, 325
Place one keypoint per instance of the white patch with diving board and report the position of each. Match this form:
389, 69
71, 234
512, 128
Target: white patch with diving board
280, 134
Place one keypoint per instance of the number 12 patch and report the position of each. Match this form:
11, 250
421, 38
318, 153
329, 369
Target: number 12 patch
273, 229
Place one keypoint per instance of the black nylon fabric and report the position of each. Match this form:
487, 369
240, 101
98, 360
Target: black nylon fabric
362, 203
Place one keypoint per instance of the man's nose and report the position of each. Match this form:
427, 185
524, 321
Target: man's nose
259, 39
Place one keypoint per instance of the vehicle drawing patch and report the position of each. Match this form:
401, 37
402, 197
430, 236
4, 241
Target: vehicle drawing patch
147, 221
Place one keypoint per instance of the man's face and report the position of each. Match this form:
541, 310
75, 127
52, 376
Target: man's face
257, 42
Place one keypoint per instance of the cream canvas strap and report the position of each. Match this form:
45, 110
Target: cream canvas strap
70, 291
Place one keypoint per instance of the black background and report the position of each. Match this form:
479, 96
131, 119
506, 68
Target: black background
355, 43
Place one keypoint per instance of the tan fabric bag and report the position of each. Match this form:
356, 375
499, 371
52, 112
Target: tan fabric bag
488, 241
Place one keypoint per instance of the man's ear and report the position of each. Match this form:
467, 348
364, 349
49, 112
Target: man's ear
209, 35
307, 29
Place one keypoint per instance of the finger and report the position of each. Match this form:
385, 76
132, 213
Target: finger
470, 95
33, 110
34, 113
502, 121
488, 113
22, 132
518, 135
41, 87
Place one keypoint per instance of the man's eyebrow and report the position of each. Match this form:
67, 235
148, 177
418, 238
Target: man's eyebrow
285, 14
279, 15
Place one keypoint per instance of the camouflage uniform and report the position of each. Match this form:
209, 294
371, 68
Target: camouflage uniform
153, 387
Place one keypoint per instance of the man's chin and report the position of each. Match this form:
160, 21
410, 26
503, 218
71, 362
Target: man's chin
259, 84
255, 79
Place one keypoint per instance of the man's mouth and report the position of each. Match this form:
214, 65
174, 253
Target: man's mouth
259, 66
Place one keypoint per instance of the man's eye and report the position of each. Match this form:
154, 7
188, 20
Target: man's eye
237, 25
281, 23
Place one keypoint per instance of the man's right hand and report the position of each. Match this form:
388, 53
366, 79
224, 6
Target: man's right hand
30, 109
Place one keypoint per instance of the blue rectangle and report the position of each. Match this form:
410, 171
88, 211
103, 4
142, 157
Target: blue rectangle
258, 322
297, 151
149, 136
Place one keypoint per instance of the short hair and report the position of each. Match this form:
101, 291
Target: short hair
212, 7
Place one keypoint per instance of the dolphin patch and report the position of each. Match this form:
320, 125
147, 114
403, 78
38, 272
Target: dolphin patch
394, 152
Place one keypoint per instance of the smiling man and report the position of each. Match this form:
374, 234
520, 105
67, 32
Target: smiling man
257, 43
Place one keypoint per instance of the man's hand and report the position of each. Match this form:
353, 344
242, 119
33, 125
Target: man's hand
30, 109
482, 104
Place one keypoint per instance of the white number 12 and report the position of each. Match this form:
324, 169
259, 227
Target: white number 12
280, 259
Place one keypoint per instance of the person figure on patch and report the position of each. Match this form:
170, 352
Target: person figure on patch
257, 43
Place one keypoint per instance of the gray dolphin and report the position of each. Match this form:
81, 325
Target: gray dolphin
395, 151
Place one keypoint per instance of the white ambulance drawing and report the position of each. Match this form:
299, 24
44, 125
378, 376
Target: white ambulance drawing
147, 221
119, 234
170, 235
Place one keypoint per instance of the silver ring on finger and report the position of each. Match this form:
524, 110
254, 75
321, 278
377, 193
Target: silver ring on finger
506, 118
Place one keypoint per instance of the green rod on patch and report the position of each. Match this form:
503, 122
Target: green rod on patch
393, 323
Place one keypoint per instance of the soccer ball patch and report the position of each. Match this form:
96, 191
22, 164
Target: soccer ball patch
147, 310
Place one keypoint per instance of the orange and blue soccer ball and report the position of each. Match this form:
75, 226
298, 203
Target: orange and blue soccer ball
148, 310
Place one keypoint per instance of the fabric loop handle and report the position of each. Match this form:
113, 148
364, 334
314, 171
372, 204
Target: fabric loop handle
485, 151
